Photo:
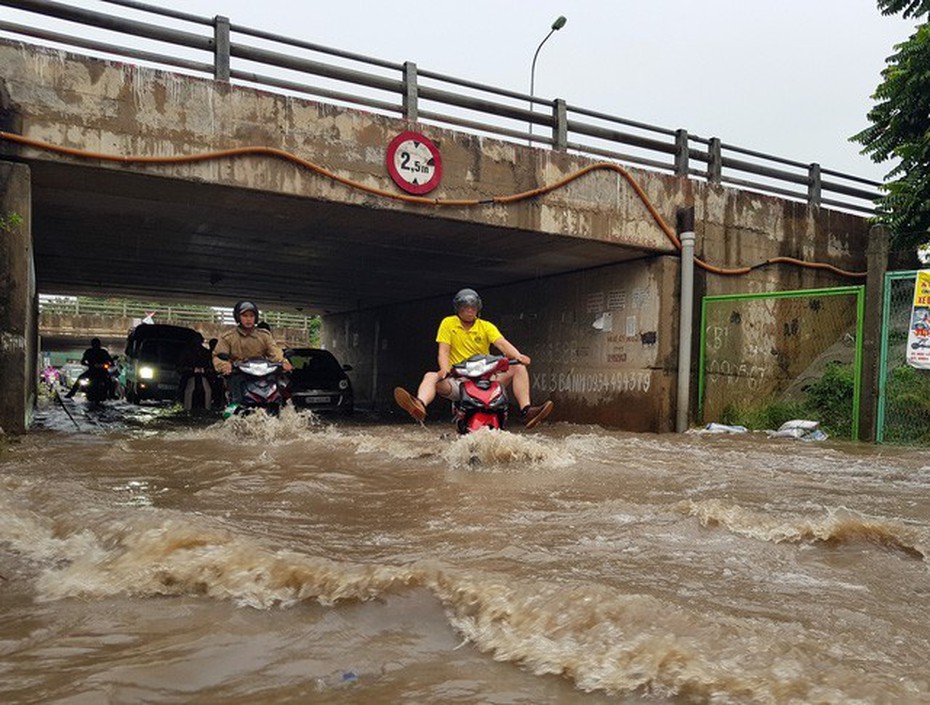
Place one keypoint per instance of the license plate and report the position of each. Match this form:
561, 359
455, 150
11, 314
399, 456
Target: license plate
313, 399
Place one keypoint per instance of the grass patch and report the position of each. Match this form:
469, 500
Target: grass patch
828, 400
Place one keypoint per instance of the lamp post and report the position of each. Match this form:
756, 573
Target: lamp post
557, 25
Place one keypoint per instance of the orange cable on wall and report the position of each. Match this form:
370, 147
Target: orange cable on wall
421, 200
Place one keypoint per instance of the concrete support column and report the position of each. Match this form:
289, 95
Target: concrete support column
685, 320
877, 265
18, 300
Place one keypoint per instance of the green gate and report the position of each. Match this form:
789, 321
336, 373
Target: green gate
903, 391
771, 357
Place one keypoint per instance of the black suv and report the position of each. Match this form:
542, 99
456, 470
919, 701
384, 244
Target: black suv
153, 352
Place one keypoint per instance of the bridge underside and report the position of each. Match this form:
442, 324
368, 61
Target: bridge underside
582, 278
104, 231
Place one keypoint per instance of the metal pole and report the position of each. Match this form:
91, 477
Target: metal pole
557, 25
374, 365
685, 308
877, 266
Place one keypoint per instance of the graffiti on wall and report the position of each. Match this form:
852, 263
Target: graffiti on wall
593, 382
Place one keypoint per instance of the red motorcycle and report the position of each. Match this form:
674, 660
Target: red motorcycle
483, 401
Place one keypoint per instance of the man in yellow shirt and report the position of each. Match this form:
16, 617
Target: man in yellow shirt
459, 337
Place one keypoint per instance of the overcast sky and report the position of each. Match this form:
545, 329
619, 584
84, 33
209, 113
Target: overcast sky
792, 78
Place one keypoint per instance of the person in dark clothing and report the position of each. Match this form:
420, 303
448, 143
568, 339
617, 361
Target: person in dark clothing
195, 359
94, 358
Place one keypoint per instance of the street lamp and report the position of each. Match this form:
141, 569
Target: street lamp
557, 25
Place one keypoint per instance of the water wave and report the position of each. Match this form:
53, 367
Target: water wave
835, 527
599, 637
258, 427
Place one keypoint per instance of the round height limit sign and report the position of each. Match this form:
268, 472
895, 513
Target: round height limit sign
414, 163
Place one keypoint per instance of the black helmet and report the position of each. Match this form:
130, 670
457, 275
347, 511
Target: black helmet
244, 306
95, 342
466, 297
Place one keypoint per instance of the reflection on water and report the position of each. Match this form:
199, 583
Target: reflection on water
299, 560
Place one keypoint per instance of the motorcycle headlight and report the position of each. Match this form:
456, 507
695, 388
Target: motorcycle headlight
146, 373
85, 382
343, 384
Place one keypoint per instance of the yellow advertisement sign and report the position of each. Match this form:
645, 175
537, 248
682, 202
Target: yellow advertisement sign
918, 338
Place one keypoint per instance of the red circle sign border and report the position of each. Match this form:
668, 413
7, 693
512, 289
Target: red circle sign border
417, 189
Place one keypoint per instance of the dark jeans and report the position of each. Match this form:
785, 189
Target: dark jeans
235, 383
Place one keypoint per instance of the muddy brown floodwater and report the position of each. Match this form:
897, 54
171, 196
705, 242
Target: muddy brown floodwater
305, 561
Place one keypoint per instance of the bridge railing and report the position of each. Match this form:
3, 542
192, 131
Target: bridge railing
163, 313
231, 52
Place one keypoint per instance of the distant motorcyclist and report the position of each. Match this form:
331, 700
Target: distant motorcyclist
51, 376
244, 342
94, 358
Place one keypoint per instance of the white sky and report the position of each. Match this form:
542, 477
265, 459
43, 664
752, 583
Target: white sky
792, 78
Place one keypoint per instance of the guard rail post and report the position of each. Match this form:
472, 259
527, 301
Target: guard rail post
410, 97
560, 125
681, 152
221, 48
814, 185
714, 161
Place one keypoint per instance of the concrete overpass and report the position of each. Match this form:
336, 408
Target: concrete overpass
139, 182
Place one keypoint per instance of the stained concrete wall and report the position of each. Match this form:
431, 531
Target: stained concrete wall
18, 301
120, 109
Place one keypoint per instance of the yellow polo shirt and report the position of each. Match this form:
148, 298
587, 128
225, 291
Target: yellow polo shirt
465, 343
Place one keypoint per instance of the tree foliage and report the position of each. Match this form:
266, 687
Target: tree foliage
900, 129
908, 8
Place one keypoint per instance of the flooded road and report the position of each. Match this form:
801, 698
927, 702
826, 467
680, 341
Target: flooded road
298, 560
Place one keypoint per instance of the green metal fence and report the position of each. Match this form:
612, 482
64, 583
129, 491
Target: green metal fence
771, 357
165, 313
903, 392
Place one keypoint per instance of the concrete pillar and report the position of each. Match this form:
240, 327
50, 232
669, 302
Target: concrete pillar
18, 300
686, 317
877, 265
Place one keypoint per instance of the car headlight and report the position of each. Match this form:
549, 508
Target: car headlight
343, 384
146, 373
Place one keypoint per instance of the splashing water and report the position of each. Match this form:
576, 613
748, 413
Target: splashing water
488, 449
249, 561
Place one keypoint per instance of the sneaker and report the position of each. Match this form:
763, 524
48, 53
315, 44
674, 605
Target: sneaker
409, 403
534, 414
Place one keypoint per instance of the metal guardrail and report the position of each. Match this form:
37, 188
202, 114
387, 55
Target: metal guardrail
69, 306
245, 55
